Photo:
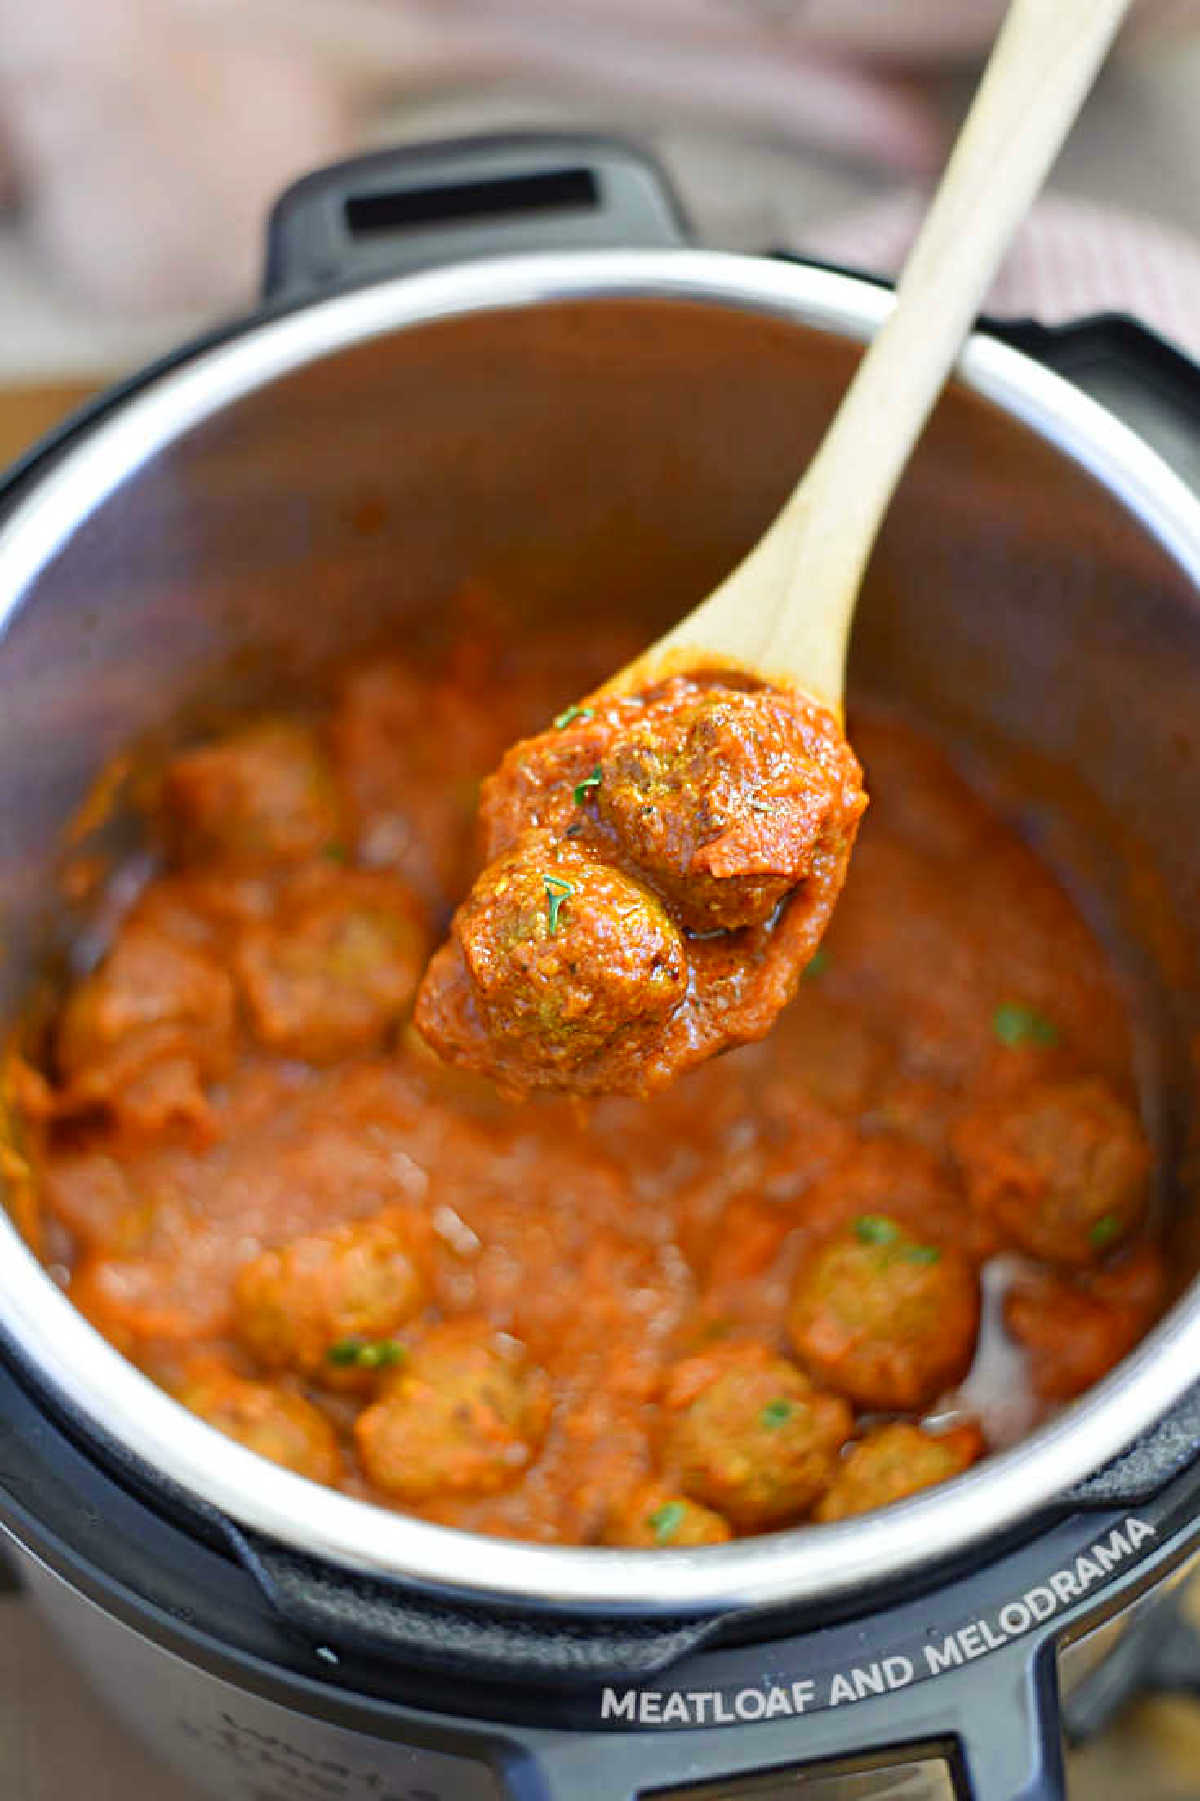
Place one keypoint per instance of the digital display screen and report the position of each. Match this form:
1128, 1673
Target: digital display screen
927, 1779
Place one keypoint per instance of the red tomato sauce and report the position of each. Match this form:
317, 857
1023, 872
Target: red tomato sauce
646, 1321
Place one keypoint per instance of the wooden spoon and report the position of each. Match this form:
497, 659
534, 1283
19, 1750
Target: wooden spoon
785, 612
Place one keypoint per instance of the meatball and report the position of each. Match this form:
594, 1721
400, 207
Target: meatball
1061, 1169
202, 906
721, 794
746, 1433
464, 1417
548, 782
700, 807
277, 1424
315, 1304
894, 1461
337, 966
1076, 1328
657, 1518
143, 1034
263, 796
884, 1318
561, 956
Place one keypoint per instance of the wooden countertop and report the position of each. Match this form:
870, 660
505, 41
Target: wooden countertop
27, 412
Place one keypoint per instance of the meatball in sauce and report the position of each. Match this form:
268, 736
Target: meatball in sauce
659, 870
746, 1301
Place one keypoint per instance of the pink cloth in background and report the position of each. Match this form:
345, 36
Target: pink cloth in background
1070, 259
145, 138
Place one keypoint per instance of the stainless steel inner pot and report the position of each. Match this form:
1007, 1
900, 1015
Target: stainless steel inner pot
603, 431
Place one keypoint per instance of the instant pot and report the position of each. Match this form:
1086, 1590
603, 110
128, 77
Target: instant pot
500, 360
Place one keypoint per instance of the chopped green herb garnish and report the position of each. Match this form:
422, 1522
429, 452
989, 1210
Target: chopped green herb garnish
557, 892
570, 715
366, 1354
922, 1253
666, 1520
1015, 1024
817, 964
776, 1414
337, 853
589, 781
1105, 1230
873, 1228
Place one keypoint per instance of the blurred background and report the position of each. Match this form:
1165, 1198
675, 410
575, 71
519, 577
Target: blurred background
141, 142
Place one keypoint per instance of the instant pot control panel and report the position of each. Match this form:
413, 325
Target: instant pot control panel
953, 1691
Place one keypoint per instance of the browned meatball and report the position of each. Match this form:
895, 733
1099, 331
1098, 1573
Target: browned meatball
1076, 1328
561, 955
1061, 1169
720, 795
270, 1420
203, 905
143, 1034
336, 967
745, 1432
327, 1305
464, 1417
884, 1318
705, 856
655, 1517
549, 782
894, 1461
263, 796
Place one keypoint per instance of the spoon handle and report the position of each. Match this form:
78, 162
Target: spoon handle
786, 610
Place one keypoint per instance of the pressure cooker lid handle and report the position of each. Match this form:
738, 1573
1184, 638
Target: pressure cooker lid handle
1000, 1747
373, 1617
419, 206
